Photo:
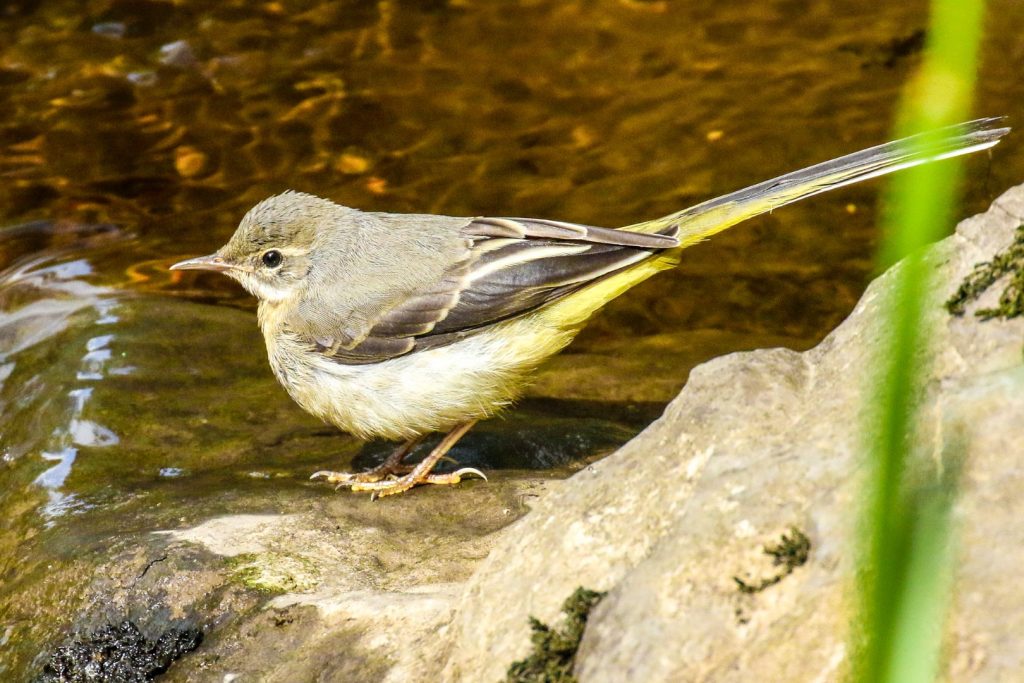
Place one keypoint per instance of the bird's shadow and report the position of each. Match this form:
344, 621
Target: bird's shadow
539, 434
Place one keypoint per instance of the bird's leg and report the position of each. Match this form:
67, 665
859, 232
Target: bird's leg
391, 466
420, 474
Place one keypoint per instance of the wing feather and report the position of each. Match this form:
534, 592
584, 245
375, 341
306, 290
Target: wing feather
515, 266
537, 228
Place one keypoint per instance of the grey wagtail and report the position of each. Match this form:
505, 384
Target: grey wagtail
395, 326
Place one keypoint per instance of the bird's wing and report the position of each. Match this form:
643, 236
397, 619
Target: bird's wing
514, 266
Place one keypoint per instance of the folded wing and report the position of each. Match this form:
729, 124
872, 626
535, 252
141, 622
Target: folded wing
515, 265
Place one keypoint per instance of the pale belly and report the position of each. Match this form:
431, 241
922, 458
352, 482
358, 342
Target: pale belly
423, 392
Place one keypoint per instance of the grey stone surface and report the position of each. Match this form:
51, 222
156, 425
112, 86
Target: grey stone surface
351, 590
757, 443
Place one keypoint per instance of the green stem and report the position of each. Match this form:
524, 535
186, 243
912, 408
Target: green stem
908, 546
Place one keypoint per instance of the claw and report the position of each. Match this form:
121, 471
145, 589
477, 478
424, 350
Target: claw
470, 470
453, 477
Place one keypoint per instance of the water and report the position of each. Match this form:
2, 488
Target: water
138, 132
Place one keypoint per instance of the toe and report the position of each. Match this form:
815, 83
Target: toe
453, 477
384, 488
331, 477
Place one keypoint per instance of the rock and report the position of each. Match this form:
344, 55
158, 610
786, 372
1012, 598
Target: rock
755, 445
339, 587
656, 365
352, 590
119, 653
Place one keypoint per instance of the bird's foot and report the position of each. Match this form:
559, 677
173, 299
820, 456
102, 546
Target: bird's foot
376, 474
383, 480
390, 468
390, 487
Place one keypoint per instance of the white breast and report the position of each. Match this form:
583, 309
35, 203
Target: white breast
421, 392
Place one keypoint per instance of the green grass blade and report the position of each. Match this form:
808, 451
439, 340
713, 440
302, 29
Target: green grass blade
906, 573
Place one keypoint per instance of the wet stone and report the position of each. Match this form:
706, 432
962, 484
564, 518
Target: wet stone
118, 654
109, 29
179, 54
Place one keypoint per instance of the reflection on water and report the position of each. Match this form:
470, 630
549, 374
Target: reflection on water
63, 449
39, 299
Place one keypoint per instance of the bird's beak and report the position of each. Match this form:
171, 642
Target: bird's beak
211, 262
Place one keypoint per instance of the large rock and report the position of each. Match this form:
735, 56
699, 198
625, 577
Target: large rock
757, 444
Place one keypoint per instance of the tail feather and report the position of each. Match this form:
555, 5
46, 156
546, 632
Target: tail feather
715, 215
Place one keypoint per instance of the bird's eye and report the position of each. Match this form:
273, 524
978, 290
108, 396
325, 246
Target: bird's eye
272, 258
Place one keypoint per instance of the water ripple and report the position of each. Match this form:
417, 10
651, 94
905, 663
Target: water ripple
42, 297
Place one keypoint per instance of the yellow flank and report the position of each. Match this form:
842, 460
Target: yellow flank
573, 310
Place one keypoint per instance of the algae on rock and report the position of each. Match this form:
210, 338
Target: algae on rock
554, 649
1010, 262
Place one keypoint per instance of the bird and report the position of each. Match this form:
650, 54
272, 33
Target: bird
397, 326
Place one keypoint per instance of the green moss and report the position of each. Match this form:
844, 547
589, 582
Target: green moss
273, 572
790, 552
1011, 301
554, 649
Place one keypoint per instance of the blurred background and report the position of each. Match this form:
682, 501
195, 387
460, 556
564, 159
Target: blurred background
137, 132
166, 120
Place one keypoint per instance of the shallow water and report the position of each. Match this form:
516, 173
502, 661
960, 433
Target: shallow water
138, 132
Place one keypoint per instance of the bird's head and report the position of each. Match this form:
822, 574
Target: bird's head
272, 251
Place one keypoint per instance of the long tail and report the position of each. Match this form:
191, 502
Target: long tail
713, 216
